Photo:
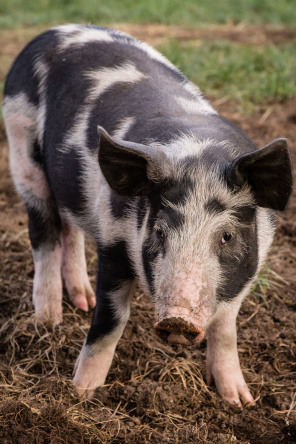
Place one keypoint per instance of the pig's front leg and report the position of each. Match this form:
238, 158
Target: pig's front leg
110, 317
222, 359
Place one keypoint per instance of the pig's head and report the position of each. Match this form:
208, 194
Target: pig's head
205, 219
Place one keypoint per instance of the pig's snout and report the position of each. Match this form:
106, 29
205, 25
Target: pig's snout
178, 331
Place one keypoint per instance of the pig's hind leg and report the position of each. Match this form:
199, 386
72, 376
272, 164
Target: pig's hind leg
44, 221
74, 269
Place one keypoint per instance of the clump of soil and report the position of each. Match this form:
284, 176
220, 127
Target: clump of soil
154, 393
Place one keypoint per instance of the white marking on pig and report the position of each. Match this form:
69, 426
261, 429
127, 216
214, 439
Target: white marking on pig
193, 90
68, 29
74, 269
41, 71
186, 145
78, 35
120, 302
105, 78
102, 80
29, 179
210, 185
19, 105
154, 54
265, 232
123, 128
76, 136
181, 147
47, 287
197, 106
196, 93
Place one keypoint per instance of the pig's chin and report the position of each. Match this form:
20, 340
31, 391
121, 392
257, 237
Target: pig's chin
179, 331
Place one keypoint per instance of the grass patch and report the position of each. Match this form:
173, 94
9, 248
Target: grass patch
248, 74
267, 280
26, 12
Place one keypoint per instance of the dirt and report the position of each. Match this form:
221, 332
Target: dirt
154, 393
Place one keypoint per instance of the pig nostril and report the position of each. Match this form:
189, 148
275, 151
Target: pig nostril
190, 335
177, 330
163, 334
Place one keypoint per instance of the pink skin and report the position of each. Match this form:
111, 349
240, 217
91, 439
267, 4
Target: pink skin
189, 302
47, 289
74, 269
26, 175
90, 372
223, 362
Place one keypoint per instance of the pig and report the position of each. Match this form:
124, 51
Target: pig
108, 138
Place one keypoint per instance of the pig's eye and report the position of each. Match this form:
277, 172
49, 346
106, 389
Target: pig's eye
226, 238
160, 235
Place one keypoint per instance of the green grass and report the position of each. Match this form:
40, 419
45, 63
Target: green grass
248, 74
193, 12
266, 282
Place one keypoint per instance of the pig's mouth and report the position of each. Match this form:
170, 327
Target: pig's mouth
176, 330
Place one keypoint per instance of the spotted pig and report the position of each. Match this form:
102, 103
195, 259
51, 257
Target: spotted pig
107, 137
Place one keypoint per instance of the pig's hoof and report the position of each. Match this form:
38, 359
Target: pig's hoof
231, 386
82, 297
90, 372
50, 314
236, 394
84, 392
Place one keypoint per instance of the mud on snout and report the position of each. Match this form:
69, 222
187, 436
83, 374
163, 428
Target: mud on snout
176, 330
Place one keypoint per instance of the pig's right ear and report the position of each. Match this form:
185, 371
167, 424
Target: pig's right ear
268, 172
128, 167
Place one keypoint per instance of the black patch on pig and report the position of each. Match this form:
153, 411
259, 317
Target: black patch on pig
65, 96
214, 206
149, 254
114, 270
36, 154
246, 214
65, 173
177, 191
22, 77
119, 205
239, 264
45, 227
148, 258
173, 217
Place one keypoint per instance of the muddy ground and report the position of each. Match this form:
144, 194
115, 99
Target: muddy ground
154, 393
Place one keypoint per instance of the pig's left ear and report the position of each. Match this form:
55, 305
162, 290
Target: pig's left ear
128, 167
268, 172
